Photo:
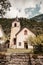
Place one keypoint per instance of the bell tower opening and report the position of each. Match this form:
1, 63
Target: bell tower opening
15, 24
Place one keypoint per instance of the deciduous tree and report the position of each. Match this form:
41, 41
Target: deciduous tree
4, 6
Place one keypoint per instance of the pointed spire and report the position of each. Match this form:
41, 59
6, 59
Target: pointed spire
17, 18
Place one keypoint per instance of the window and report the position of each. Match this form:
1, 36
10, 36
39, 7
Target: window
19, 43
14, 41
25, 32
15, 25
0, 38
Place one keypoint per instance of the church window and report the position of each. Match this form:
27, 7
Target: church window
19, 43
25, 32
15, 25
0, 38
14, 41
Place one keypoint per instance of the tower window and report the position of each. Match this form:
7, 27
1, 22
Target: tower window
19, 43
15, 25
14, 41
25, 32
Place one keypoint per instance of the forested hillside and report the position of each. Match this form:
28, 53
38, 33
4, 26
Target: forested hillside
38, 18
34, 26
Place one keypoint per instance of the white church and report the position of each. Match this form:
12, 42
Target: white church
18, 38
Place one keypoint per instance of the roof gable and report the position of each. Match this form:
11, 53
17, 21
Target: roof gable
24, 29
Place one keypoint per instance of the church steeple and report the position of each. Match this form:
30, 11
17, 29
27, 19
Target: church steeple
17, 18
14, 30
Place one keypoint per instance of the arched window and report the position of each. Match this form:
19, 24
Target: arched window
15, 25
25, 32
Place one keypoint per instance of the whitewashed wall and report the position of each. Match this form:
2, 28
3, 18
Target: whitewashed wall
21, 38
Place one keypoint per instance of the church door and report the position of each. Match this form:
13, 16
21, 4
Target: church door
26, 45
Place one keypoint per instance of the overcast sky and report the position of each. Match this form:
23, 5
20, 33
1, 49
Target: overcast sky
25, 8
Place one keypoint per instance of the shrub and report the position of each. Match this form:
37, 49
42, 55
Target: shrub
38, 49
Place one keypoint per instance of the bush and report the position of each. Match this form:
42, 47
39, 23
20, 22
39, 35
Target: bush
38, 49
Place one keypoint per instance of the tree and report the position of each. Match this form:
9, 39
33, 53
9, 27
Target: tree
37, 40
4, 6
37, 43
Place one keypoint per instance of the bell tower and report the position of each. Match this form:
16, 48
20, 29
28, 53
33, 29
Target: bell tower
14, 30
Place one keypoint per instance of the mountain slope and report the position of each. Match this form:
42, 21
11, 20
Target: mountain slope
38, 18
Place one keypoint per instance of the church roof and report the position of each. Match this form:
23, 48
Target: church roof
22, 29
19, 32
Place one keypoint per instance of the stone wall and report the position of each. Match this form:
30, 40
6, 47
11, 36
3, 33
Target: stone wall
21, 59
18, 59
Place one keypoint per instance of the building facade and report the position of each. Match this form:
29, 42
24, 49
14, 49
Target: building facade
19, 36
